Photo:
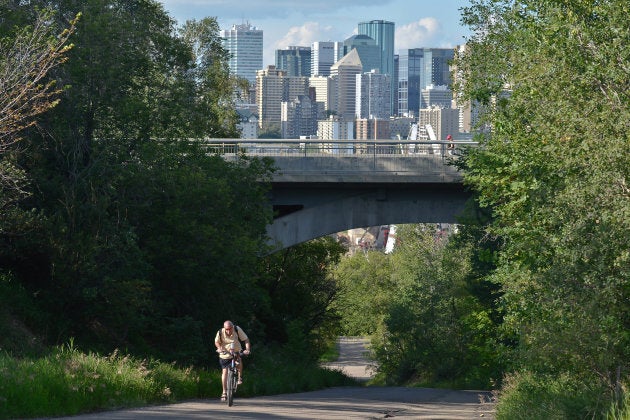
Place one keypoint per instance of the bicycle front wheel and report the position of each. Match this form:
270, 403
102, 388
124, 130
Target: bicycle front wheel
231, 384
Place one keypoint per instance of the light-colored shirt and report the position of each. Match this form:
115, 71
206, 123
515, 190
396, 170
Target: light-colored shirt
226, 340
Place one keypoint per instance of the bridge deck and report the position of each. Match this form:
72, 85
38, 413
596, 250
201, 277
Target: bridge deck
350, 161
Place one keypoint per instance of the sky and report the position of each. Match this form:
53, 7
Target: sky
419, 23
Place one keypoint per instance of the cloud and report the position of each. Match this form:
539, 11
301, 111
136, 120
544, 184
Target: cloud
417, 34
304, 35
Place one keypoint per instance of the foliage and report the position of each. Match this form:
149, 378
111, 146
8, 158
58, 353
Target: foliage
301, 289
28, 55
365, 286
16, 308
435, 330
267, 372
554, 171
271, 131
69, 381
527, 395
134, 236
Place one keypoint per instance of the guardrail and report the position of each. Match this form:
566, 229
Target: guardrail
334, 148
349, 160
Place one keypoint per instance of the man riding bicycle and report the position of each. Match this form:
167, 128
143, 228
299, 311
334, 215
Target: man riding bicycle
226, 337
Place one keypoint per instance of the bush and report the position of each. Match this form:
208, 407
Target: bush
531, 396
15, 308
69, 382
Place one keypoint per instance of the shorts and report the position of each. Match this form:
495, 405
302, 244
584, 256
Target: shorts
225, 363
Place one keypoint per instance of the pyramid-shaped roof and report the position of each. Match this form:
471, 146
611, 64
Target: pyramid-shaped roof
350, 59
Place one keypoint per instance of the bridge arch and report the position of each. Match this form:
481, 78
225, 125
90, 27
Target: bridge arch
356, 206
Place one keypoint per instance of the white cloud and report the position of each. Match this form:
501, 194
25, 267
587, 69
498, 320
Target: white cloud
417, 34
303, 35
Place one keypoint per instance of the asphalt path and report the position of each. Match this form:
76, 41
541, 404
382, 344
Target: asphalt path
368, 402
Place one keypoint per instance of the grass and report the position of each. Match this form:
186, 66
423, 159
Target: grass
530, 396
68, 382
332, 352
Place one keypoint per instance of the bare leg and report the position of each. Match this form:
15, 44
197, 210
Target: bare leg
224, 379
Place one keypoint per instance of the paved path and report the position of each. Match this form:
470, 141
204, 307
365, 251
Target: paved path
334, 403
353, 358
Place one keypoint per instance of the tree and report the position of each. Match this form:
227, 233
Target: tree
135, 216
301, 289
28, 55
554, 171
434, 329
365, 290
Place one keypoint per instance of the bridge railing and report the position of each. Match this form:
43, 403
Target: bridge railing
328, 160
340, 148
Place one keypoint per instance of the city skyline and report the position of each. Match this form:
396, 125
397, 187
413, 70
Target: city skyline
289, 23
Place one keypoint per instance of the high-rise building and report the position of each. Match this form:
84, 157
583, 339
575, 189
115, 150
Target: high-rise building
299, 118
245, 44
324, 55
369, 52
344, 73
395, 85
335, 128
372, 129
436, 96
325, 91
409, 69
468, 110
296, 61
273, 87
269, 95
417, 69
382, 32
436, 67
444, 121
373, 95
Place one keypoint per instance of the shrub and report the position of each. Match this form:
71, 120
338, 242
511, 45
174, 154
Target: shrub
531, 396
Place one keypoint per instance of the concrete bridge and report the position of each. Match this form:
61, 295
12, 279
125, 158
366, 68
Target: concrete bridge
324, 187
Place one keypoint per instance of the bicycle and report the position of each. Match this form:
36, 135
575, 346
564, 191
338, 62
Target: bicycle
232, 376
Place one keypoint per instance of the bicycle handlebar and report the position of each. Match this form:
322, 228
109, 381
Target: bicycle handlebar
240, 353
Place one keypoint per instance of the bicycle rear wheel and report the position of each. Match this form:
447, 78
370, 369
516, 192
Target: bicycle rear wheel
231, 384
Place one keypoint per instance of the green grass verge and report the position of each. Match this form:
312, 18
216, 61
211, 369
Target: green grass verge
530, 396
332, 352
69, 382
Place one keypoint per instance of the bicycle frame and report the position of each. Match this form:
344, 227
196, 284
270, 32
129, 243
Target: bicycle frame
232, 377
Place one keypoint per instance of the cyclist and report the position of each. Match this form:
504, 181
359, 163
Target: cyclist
226, 336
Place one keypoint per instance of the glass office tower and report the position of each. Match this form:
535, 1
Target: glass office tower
382, 32
417, 69
296, 61
410, 64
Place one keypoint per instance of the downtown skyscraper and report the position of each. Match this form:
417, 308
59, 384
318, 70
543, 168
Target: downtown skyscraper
382, 32
295, 60
436, 67
245, 44
324, 55
417, 69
